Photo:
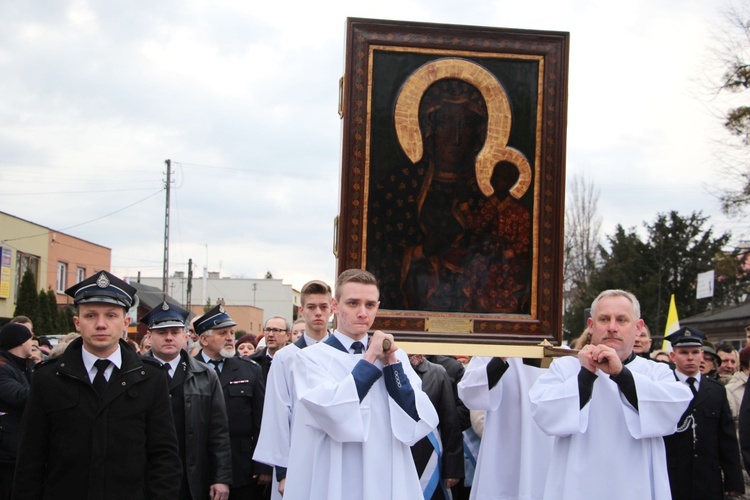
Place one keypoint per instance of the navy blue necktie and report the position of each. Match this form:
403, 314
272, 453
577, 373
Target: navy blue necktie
358, 347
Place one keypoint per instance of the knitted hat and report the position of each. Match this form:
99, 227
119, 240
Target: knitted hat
12, 335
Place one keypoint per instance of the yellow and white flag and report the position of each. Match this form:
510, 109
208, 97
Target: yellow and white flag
673, 324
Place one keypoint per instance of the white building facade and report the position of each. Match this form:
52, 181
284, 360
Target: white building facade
271, 295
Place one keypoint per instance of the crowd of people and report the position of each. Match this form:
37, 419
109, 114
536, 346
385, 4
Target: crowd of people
307, 413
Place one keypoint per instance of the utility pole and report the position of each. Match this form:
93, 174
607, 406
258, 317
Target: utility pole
189, 283
166, 228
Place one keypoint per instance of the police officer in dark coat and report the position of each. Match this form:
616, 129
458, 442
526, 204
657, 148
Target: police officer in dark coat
244, 389
704, 448
200, 415
15, 349
98, 423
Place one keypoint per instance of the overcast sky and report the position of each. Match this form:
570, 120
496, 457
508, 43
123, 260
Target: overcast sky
242, 97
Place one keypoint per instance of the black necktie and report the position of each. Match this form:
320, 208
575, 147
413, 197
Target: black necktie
167, 367
99, 381
358, 347
691, 383
216, 364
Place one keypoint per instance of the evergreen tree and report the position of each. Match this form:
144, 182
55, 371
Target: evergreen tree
55, 323
27, 301
66, 321
676, 249
45, 325
621, 267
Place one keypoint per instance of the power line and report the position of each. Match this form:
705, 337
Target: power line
66, 168
88, 221
251, 171
73, 192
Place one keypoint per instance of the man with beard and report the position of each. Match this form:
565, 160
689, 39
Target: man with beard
200, 416
608, 410
242, 383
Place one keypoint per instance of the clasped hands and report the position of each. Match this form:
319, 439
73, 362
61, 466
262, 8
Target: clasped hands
600, 357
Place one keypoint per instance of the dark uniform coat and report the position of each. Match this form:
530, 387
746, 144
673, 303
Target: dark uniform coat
244, 389
207, 450
696, 465
76, 445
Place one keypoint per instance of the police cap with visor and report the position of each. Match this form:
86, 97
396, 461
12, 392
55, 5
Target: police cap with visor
102, 287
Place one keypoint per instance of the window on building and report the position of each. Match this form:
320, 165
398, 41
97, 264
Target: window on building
24, 262
80, 274
62, 273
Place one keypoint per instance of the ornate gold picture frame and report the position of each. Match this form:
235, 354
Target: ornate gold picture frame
453, 179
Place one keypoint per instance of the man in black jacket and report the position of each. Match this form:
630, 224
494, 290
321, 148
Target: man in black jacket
438, 386
277, 333
200, 415
15, 349
244, 389
97, 422
703, 458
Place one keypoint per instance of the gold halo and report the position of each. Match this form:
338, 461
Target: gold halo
495, 148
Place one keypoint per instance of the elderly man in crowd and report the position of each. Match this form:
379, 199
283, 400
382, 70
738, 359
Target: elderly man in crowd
608, 410
200, 416
728, 364
242, 383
